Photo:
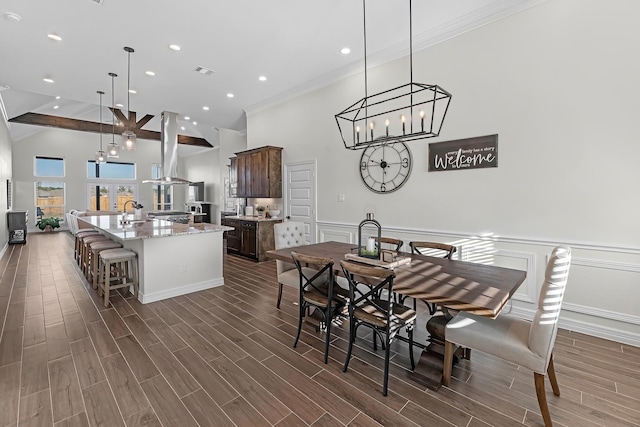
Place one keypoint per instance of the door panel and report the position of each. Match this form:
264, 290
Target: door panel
300, 190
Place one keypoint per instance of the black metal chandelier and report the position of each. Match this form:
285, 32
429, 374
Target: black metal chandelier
405, 113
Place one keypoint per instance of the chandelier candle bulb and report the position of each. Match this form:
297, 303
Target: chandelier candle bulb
358, 134
403, 127
371, 131
422, 120
386, 122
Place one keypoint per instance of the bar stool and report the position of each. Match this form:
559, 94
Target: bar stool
94, 250
79, 235
84, 250
118, 269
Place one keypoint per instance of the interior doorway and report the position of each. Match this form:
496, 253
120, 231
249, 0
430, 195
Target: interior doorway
300, 195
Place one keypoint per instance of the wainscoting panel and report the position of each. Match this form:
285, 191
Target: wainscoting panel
604, 283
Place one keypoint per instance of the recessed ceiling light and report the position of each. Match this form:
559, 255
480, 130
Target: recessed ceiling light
195, 123
13, 17
205, 108
345, 51
187, 118
182, 127
58, 97
55, 107
230, 95
48, 80
119, 105
174, 47
54, 37
262, 78
150, 73
132, 91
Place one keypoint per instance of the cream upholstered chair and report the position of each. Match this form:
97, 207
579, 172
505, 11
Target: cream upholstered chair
287, 235
529, 344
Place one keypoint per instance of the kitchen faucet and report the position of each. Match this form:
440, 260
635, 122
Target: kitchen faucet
124, 208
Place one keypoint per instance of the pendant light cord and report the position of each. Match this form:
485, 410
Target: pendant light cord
128, 91
100, 93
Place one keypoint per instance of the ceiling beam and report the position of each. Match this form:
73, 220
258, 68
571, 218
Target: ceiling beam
87, 126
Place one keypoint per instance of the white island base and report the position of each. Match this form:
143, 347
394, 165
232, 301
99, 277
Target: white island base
177, 265
173, 259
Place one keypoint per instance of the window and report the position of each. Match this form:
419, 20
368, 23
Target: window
49, 166
162, 194
50, 198
112, 195
111, 170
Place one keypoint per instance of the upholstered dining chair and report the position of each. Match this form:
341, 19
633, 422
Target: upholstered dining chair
316, 284
287, 235
383, 316
529, 344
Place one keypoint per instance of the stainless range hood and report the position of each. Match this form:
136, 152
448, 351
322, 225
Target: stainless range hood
169, 152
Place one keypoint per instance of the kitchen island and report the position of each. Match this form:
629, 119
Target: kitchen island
173, 259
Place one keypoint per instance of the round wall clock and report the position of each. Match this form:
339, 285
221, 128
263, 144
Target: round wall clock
385, 168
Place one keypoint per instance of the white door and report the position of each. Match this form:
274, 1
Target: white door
300, 190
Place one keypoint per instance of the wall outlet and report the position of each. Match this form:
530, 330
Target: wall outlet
341, 197
183, 267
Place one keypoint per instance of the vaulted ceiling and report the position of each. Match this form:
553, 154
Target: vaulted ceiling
295, 44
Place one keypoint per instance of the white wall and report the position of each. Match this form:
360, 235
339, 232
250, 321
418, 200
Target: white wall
558, 83
5, 174
76, 148
204, 166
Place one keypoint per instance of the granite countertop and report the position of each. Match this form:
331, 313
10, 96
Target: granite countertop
252, 218
148, 228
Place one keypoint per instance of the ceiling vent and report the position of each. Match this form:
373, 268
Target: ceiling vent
204, 71
98, 1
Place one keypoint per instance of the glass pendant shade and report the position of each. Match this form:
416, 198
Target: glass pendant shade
101, 157
114, 150
128, 140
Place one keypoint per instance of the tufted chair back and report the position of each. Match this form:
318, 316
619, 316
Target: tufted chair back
288, 234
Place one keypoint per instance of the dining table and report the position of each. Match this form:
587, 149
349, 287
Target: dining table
481, 289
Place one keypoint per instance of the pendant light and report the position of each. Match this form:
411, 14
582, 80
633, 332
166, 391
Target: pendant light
405, 113
101, 156
114, 149
128, 137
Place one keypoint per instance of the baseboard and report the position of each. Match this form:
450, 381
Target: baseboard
182, 290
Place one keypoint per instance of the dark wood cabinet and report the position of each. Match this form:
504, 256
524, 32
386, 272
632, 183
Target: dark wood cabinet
250, 239
248, 243
259, 172
233, 236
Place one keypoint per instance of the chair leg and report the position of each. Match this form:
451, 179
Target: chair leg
413, 363
448, 363
375, 340
552, 377
327, 338
352, 334
387, 350
542, 398
279, 295
302, 307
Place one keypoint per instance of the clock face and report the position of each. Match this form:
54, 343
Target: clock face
385, 168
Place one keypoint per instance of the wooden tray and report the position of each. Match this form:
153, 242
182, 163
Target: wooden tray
378, 262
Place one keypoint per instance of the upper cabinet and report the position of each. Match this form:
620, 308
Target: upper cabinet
259, 172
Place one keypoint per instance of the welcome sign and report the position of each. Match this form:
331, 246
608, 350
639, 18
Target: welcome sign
468, 153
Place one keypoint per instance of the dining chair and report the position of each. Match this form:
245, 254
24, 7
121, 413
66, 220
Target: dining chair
529, 344
394, 244
383, 316
317, 290
436, 249
287, 235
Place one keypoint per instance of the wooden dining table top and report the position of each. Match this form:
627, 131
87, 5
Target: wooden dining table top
476, 288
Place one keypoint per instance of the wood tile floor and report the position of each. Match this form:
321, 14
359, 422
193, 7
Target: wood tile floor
224, 357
